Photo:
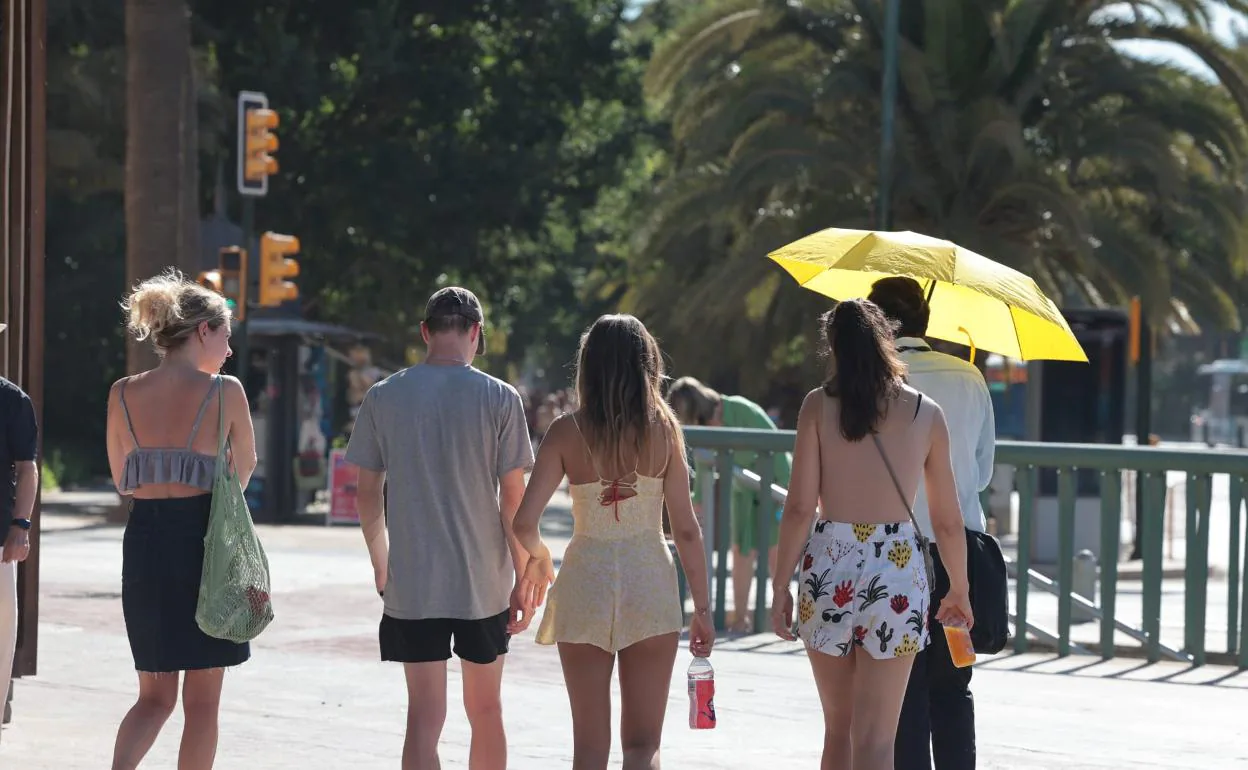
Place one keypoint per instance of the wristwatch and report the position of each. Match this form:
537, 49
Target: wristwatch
22, 524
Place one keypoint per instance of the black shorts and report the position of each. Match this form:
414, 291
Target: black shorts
429, 641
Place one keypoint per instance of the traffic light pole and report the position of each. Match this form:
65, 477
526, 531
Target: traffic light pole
243, 349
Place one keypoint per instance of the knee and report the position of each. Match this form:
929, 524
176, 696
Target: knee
640, 753
873, 748
199, 707
159, 705
484, 711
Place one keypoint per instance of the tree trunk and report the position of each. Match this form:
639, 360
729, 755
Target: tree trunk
162, 154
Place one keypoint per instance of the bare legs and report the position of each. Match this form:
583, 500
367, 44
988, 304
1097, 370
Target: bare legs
743, 585
426, 714
158, 696
645, 680
861, 699
484, 707
587, 674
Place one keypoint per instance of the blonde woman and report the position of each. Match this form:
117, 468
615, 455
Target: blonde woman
623, 453
162, 448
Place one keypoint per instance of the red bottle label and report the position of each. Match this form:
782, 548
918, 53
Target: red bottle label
702, 704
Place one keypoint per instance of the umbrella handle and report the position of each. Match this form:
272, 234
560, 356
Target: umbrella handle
969, 340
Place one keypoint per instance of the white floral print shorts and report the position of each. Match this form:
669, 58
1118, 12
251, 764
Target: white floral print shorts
863, 585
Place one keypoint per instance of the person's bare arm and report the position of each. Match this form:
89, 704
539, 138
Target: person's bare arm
510, 493
942, 498
548, 473
686, 531
803, 498
27, 487
371, 506
242, 433
114, 430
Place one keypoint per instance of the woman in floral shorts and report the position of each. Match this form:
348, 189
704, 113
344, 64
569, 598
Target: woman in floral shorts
865, 441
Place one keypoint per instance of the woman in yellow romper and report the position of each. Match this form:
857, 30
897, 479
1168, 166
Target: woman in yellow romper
616, 595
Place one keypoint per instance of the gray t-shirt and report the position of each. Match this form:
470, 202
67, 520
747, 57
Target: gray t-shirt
444, 435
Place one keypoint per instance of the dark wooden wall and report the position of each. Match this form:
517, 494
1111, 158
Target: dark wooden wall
22, 208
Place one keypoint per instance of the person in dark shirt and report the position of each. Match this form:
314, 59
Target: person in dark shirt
17, 502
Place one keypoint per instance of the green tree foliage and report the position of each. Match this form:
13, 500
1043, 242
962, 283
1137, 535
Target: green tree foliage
428, 142
1023, 133
493, 144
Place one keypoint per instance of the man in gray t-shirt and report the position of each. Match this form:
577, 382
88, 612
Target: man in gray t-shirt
450, 444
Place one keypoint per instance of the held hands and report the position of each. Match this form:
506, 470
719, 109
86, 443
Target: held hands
782, 613
16, 546
955, 609
701, 633
530, 593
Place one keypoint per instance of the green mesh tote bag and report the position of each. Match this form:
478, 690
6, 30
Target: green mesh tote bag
234, 601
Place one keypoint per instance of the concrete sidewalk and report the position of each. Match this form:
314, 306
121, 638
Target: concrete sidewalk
314, 696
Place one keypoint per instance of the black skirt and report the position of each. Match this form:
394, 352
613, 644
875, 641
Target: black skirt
162, 560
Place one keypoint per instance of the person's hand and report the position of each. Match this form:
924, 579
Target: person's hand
519, 609
955, 610
701, 634
539, 574
16, 546
782, 613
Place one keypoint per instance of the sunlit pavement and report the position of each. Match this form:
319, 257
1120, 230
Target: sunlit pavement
315, 696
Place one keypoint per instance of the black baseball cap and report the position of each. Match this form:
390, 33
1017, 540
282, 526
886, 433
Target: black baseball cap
456, 301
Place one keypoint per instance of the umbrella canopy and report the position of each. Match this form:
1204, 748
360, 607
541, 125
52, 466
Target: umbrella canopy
973, 299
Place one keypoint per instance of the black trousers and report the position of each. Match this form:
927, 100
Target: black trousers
938, 715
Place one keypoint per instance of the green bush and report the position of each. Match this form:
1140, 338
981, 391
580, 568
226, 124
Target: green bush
65, 468
48, 478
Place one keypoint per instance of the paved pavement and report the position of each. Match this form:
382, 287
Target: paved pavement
314, 696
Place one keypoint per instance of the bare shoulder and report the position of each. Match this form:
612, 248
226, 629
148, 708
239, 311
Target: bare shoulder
234, 394
232, 386
562, 430
812, 405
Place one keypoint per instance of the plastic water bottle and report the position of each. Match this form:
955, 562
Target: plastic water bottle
701, 695
961, 648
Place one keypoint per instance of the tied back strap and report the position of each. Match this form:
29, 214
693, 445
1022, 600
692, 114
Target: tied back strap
613, 491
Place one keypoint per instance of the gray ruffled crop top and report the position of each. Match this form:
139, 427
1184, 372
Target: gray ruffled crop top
168, 465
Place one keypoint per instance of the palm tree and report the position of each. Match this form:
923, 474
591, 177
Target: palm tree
162, 161
1023, 132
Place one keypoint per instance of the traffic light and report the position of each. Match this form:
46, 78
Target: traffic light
256, 143
229, 279
276, 267
260, 144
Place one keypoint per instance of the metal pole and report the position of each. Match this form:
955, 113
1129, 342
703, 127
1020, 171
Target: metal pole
1143, 424
243, 349
888, 92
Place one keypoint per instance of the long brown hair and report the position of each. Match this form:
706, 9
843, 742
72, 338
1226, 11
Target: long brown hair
619, 381
866, 372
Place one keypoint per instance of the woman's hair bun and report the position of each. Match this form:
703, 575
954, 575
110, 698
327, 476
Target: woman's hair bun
154, 305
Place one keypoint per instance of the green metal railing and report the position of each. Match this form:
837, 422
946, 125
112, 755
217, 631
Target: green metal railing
1112, 469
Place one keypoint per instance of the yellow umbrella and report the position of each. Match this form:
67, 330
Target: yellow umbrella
973, 300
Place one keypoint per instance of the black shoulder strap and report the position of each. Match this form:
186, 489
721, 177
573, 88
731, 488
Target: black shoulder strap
917, 404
